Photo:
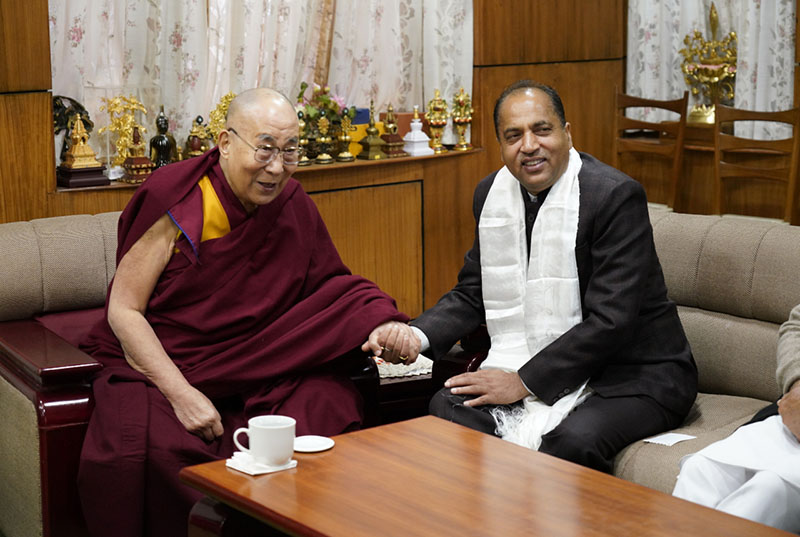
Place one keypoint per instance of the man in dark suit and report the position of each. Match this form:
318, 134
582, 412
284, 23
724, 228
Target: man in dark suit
624, 338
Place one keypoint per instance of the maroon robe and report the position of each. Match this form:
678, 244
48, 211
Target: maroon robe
262, 321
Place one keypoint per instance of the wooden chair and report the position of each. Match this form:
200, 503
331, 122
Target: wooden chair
662, 139
738, 159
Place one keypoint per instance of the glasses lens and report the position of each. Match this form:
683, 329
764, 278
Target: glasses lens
291, 155
265, 155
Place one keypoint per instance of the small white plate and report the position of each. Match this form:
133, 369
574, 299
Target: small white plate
312, 443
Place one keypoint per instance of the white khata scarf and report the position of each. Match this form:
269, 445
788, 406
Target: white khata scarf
529, 303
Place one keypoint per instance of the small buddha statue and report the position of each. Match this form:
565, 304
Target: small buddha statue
163, 149
137, 165
198, 141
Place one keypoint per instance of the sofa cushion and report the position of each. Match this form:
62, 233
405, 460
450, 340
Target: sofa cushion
712, 418
734, 356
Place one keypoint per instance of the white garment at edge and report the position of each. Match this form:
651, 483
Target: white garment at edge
529, 303
754, 474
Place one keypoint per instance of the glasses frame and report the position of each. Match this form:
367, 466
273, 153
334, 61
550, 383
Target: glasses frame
272, 150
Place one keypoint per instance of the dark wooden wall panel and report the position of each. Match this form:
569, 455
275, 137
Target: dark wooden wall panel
24, 46
533, 31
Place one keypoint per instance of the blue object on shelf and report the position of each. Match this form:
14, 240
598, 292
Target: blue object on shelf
362, 116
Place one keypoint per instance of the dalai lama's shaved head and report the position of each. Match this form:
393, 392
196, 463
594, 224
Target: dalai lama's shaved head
256, 97
260, 121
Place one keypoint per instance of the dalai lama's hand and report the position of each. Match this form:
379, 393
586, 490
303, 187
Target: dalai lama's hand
393, 341
197, 413
490, 386
789, 409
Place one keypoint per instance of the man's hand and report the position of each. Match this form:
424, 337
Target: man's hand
393, 341
491, 386
198, 414
789, 409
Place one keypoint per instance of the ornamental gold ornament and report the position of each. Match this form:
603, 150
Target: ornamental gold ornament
122, 122
217, 116
462, 117
709, 68
437, 115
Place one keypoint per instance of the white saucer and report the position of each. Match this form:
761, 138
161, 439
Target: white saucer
312, 443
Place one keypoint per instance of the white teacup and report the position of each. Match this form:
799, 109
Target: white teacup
271, 439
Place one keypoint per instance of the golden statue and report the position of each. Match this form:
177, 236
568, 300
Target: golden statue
394, 143
323, 140
372, 144
437, 115
303, 142
197, 142
122, 122
709, 67
79, 155
218, 115
344, 138
137, 165
462, 117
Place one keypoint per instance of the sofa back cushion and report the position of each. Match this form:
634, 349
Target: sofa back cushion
735, 281
56, 264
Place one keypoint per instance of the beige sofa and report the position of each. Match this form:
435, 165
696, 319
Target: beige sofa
735, 281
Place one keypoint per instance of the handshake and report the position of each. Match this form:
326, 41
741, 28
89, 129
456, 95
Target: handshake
393, 341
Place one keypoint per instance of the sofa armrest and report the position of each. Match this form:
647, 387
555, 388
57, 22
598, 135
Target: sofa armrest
43, 359
55, 377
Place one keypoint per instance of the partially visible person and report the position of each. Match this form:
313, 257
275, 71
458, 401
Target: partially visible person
755, 472
229, 301
587, 352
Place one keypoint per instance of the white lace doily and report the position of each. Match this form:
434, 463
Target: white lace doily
421, 366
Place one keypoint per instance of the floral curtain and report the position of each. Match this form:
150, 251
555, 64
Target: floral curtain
765, 62
187, 54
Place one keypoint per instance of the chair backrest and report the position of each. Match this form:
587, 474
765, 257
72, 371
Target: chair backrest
739, 159
56, 264
663, 139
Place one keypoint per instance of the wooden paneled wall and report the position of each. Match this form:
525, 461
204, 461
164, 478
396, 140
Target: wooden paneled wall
27, 164
575, 46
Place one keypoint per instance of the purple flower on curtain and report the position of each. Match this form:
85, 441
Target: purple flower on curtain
189, 76
127, 65
176, 38
238, 63
363, 62
75, 34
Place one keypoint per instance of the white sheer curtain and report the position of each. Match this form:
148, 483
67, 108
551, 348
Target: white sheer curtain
155, 51
765, 65
187, 54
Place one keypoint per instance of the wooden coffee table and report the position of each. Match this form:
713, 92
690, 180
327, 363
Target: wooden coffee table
427, 476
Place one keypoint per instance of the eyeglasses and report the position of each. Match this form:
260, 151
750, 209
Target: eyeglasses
267, 153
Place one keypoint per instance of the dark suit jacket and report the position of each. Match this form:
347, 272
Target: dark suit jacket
630, 341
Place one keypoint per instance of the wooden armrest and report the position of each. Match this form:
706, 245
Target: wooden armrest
41, 358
